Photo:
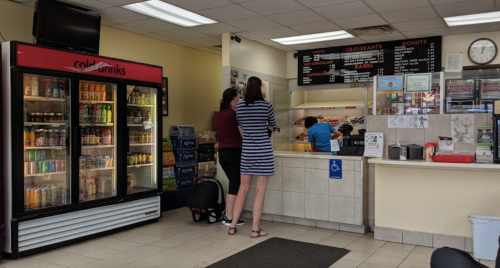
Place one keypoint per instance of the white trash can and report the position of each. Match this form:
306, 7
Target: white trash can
485, 233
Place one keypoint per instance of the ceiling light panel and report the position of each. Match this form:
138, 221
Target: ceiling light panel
167, 12
473, 19
311, 38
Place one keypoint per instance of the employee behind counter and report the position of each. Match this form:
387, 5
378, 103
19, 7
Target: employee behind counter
320, 134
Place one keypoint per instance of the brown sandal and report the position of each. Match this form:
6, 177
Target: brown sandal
231, 228
258, 233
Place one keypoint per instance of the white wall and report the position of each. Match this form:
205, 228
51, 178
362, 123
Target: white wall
258, 57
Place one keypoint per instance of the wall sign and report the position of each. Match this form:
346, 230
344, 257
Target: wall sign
417, 83
335, 169
359, 63
390, 83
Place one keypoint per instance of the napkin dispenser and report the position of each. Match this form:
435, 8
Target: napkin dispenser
415, 152
394, 151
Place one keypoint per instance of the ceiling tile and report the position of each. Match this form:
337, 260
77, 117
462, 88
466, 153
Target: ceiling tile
440, 2
465, 8
182, 34
90, 4
383, 37
309, 46
250, 36
345, 42
276, 32
478, 28
160, 37
392, 5
228, 13
361, 21
268, 42
128, 29
208, 41
421, 13
217, 28
297, 17
427, 33
121, 15
182, 43
316, 27
347, 10
254, 24
195, 5
420, 25
241, 1
153, 25
322, 3
120, 2
270, 7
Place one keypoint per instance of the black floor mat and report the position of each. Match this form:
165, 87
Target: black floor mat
279, 252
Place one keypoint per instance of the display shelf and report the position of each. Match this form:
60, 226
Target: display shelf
139, 165
97, 146
45, 148
98, 196
96, 102
33, 98
337, 125
331, 105
134, 190
55, 124
142, 144
96, 169
98, 125
139, 105
44, 174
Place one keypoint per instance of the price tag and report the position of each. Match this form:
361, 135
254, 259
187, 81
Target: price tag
350, 107
55, 125
334, 146
137, 166
58, 147
109, 124
29, 125
93, 102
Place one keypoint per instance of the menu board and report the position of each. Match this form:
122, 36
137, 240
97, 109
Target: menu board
359, 63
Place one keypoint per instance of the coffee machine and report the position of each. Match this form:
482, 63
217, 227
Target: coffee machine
352, 144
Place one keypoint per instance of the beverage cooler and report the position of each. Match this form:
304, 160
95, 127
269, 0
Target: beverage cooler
82, 146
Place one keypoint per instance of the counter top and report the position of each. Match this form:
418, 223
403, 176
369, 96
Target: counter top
436, 165
315, 155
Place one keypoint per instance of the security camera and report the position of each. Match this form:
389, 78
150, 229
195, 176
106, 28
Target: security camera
236, 38
295, 55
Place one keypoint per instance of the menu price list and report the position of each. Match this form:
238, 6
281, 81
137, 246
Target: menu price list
359, 63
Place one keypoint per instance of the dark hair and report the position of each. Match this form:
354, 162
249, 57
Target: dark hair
253, 91
227, 98
310, 121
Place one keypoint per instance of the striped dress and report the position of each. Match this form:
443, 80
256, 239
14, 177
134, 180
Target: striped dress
257, 156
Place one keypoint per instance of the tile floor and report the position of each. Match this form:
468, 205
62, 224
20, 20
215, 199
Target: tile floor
171, 242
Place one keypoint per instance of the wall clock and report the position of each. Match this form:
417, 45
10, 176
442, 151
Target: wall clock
482, 51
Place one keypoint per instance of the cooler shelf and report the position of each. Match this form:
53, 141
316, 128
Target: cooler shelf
45, 148
96, 102
139, 165
142, 144
55, 124
44, 174
32, 98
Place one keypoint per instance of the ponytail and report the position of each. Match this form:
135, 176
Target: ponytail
227, 98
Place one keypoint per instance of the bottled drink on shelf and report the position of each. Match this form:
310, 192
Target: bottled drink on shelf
47, 89
97, 92
85, 95
139, 158
62, 88
80, 92
104, 116
27, 86
109, 115
56, 88
91, 91
103, 92
97, 114
34, 87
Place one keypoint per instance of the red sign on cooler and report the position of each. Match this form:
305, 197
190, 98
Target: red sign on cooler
46, 58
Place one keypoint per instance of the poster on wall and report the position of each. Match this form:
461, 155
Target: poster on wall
416, 83
164, 97
390, 83
374, 144
462, 128
484, 136
265, 90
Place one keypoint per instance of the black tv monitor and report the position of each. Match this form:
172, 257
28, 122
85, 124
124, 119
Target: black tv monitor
62, 25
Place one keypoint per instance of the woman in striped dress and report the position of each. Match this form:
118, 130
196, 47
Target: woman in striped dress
255, 118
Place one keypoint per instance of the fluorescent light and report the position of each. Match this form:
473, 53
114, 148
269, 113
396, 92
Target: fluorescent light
311, 38
167, 12
473, 19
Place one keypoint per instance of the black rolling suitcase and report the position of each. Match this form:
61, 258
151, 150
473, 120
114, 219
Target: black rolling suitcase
206, 200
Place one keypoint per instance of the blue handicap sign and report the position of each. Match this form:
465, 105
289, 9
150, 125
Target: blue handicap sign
335, 169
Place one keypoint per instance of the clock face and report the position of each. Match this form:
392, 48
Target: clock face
482, 51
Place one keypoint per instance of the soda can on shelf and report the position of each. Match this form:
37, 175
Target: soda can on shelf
52, 166
26, 198
31, 167
42, 155
45, 167
25, 155
37, 155
36, 200
63, 165
31, 155
38, 167
27, 168
58, 166
44, 197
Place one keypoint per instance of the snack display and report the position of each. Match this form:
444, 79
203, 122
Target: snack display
338, 120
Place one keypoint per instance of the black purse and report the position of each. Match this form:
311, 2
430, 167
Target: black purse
270, 132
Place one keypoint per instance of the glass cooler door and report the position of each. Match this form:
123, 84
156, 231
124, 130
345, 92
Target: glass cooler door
97, 162
141, 125
46, 117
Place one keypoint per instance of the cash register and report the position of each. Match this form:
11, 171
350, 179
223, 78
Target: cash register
352, 144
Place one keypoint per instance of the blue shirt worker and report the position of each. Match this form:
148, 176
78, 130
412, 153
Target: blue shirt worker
319, 134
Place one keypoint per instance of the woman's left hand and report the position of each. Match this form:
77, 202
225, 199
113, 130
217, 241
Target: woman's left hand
270, 128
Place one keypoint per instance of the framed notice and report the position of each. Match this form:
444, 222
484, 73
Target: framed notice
417, 83
390, 83
374, 144
164, 97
